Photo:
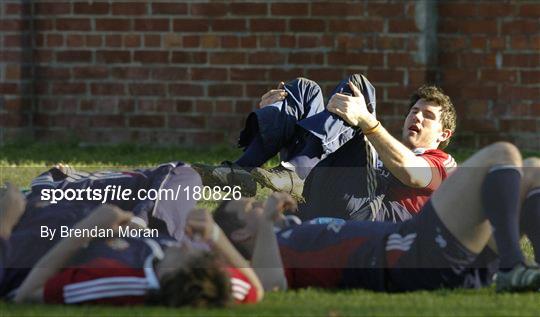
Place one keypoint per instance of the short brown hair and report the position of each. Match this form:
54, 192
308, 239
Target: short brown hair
202, 283
448, 112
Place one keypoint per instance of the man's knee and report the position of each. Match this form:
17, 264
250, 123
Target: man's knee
502, 153
531, 172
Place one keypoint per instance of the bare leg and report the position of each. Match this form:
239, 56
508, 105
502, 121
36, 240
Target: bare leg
458, 201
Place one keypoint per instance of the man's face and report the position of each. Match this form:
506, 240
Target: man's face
423, 127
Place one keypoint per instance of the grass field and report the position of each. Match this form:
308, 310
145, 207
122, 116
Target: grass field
20, 163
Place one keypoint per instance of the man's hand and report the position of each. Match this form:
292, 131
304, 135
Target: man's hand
12, 205
105, 217
352, 109
200, 224
276, 204
273, 96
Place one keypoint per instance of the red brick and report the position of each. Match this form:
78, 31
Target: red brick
389, 42
209, 74
227, 58
267, 25
47, 72
367, 26
521, 60
132, 73
249, 8
204, 106
306, 25
113, 25
186, 90
228, 123
39, 24
336, 9
92, 8
209, 41
477, 60
325, 74
518, 125
249, 41
287, 41
152, 41
385, 9
520, 92
52, 8
151, 57
491, 75
152, 25
529, 10
55, 40
16, 8
90, 72
146, 121
107, 121
479, 92
74, 56
132, 40
107, 89
113, 57
129, 8
74, 40
113, 40
186, 122
494, 9
229, 25
205, 138
184, 106
306, 58
402, 26
209, 9
385, 76
147, 89
191, 41
225, 90
12, 25
248, 74
6, 88
457, 9
266, 58
68, 88
478, 42
73, 24
256, 89
520, 27
191, 25
286, 8
226, 106
170, 73
267, 41
276, 75
530, 77
230, 41
458, 76
183, 57
93, 40
169, 8
244, 107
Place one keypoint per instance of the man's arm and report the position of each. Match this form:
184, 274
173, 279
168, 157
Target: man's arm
201, 223
12, 205
53, 261
408, 168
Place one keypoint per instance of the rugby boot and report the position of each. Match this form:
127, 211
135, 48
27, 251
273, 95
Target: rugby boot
521, 278
280, 179
227, 174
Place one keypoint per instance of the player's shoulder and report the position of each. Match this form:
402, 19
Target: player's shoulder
445, 158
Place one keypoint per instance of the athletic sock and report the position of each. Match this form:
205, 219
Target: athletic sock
530, 220
308, 157
500, 198
254, 155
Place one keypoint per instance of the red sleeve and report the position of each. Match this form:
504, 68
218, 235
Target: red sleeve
441, 163
242, 290
101, 281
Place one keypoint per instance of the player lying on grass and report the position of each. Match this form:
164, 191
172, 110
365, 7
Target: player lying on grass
128, 271
328, 149
292, 121
436, 249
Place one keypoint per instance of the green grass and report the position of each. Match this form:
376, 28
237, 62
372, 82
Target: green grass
20, 163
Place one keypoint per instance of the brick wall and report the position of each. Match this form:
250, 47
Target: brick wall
188, 72
489, 57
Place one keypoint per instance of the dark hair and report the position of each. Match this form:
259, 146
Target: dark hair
202, 283
448, 112
229, 222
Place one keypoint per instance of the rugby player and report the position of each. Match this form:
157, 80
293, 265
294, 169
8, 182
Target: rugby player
439, 248
82, 270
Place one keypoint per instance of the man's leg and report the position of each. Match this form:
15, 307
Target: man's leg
530, 212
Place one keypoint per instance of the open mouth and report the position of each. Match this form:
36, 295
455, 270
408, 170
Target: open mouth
414, 128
